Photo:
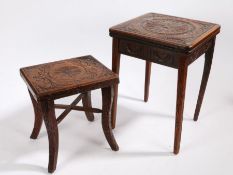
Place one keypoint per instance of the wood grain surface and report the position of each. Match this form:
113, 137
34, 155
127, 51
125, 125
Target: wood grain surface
67, 77
170, 31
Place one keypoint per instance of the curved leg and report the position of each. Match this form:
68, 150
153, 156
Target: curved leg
115, 68
106, 118
86, 100
52, 130
205, 77
181, 86
147, 81
38, 118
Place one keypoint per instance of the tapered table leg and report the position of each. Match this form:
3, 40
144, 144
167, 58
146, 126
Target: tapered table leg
52, 130
106, 118
115, 68
38, 118
208, 62
181, 86
86, 100
147, 81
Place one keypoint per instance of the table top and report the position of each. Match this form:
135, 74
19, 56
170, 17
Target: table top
67, 75
170, 31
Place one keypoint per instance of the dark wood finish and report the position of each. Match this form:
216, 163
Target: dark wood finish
166, 31
67, 77
48, 82
149, 53
115, 68
87, 104
147, 80
208, 62
200, 50
106, 118
79, 108
48, 109
38, 118
67, 111
167, 40
181, 86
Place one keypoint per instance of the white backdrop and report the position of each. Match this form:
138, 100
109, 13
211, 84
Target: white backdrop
33, 32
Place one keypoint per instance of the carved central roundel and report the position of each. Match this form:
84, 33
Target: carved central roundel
68, 70
66, 73
167, 26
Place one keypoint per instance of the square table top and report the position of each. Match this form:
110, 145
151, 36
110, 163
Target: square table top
60, 77
170, 31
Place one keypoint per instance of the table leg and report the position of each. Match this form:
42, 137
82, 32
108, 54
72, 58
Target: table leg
115, 68
86, 100
205, 77
38, 118
181, 86
52, 130
106, 118
147, 81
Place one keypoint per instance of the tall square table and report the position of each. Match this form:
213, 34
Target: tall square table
170, 41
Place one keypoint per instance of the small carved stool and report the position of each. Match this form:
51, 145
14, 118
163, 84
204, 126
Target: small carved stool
48, 82
170, 41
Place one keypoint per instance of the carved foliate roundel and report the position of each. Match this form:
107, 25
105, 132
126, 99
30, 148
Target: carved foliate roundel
66, 74
165, 30
167, 27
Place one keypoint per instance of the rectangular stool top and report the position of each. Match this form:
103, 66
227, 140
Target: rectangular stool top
67, 77
170, 31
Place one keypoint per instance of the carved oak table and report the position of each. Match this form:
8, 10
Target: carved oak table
170, 41
48, 82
